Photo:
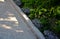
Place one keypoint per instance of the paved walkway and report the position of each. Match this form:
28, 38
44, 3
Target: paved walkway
12, 26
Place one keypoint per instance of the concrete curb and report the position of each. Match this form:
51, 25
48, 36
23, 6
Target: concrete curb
37, 33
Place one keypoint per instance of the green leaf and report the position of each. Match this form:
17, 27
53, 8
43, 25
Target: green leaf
58, 10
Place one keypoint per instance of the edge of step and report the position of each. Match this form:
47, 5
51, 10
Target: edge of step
37, 33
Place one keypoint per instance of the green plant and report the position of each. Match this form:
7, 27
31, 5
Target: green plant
47, 11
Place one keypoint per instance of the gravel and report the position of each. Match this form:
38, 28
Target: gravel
50, 35
37, 23
26, 10
18, 2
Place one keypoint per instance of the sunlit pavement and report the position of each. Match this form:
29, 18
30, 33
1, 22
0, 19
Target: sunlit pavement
12, 26
2, 0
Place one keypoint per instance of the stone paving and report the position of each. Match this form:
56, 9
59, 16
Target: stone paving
12, 26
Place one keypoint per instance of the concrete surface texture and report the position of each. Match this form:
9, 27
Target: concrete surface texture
1, 0
12, 25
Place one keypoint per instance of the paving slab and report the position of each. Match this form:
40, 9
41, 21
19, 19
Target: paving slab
12, 26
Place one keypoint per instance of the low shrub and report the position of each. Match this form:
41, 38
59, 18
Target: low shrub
47, 11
